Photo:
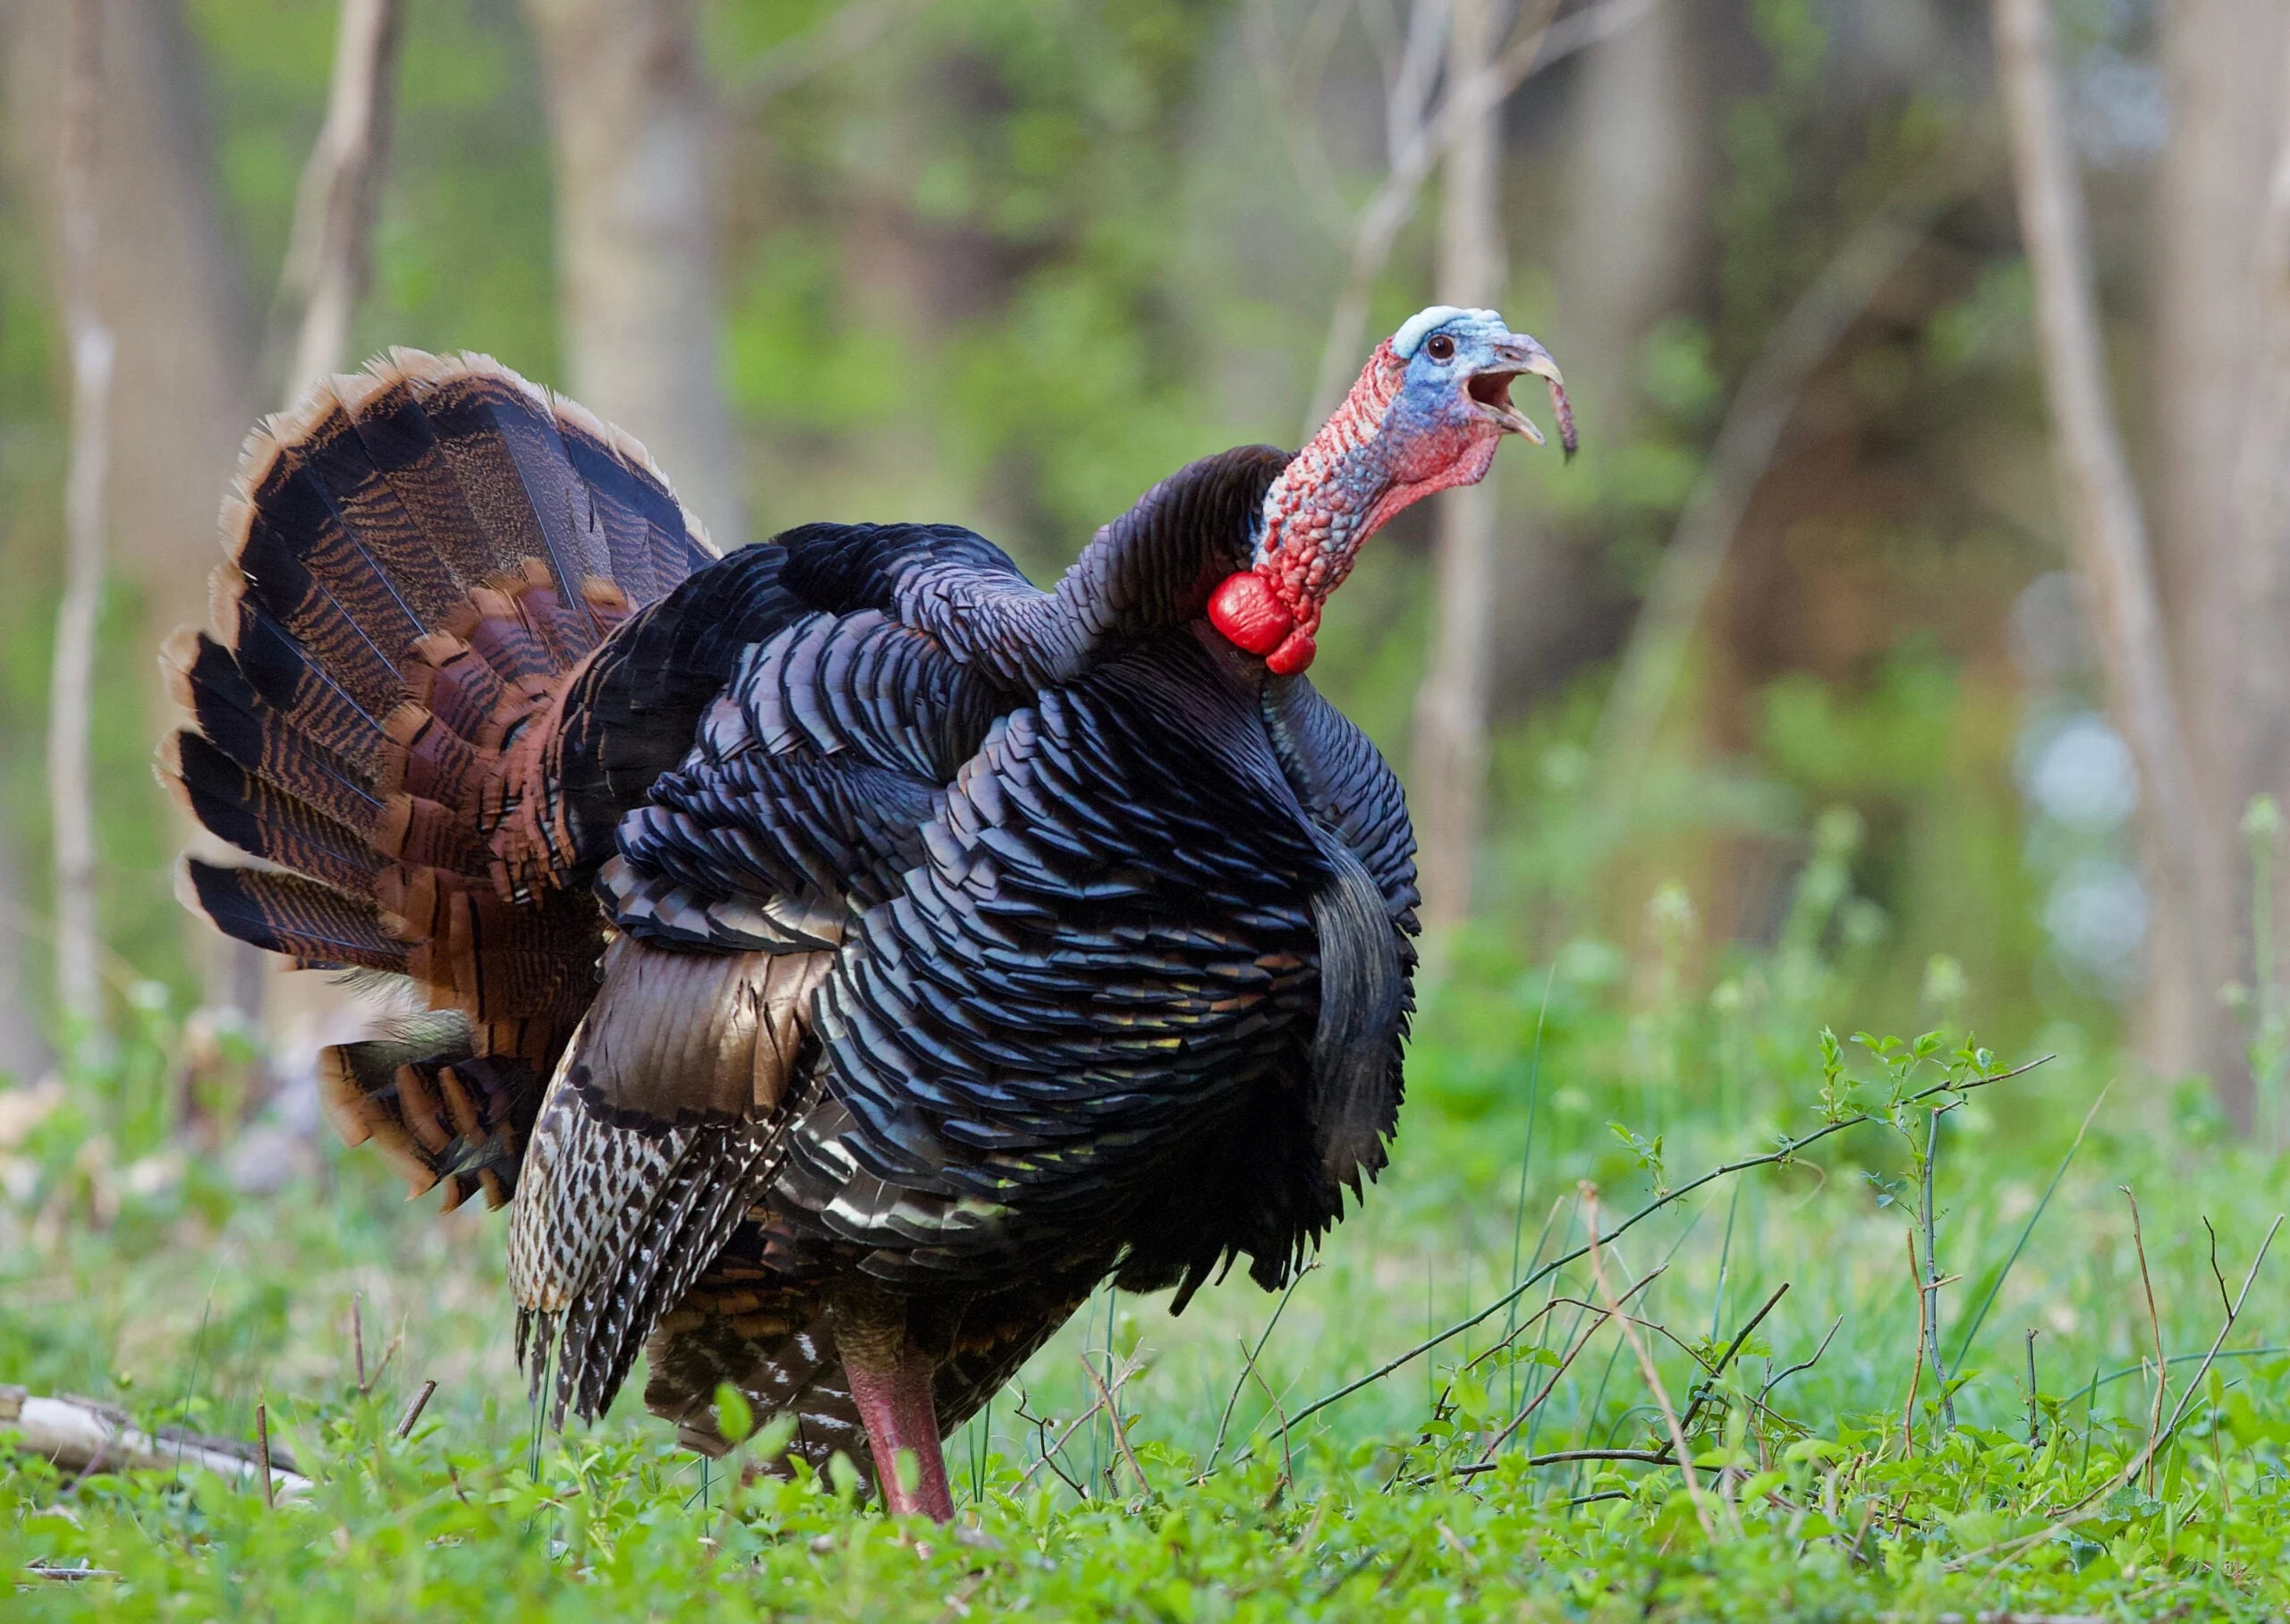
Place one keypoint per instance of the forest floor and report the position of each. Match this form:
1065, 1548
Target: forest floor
1525, 1466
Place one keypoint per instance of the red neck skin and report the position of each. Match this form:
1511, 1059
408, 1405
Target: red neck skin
1375, 455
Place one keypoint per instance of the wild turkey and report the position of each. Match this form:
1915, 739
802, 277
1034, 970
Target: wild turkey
843, 954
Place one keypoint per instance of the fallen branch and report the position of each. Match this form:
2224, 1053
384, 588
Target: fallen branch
80, 1436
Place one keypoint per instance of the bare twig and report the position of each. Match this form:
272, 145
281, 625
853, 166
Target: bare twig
1787, 1153
71, 693
1120, 1432
262, 1455
358, 1336
1642, 1457
2224, 1301
1933, 1281
1646, 1367
1803, 1365
2109, 533
1916, 1365
2032, 1387
1287, 1455
1708, 1384
330, 254
1248, 1363
2154, 1322
405, 1428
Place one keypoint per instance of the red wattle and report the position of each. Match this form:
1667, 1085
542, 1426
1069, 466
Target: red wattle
1244, 608
1295, 652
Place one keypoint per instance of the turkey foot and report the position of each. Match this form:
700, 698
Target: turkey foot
891, 1384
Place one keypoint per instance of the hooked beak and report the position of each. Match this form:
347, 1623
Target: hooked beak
1490, 389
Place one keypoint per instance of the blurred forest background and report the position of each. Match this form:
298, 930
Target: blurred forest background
1804, 613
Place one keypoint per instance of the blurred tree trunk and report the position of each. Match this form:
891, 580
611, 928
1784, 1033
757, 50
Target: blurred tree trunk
71, 709
632, 113
183, 389
330, 258
2263, 583
1634, 221
2221, 581
1451, 706
2107, 531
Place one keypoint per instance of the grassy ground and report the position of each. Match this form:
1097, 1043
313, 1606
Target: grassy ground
1522, 1467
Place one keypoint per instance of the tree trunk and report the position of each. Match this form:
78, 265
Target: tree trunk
1451, 706
2263, 580
2108, 534
632, 113
172, 292
71, 791
331, 256
2224, 59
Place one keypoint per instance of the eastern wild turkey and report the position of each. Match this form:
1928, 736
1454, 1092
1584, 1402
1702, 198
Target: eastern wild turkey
842, 955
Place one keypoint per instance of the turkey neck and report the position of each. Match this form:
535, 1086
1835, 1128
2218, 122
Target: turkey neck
1330, 499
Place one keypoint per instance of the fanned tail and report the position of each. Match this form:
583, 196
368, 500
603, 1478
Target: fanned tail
424, 562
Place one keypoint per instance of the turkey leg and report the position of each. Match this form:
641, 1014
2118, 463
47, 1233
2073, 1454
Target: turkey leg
891, 1384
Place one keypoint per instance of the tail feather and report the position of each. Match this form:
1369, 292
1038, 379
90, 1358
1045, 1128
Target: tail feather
262, 821
315, 925
423, 559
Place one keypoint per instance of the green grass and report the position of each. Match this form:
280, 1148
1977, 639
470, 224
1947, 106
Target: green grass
1819, 1489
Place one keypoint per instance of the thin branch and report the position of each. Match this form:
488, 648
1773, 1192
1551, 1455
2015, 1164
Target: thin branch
1120, 1431
1708, 1384
1052, 1451
405, 1428
2154, 1321
1487, 1461
1916, 1365
1248, 1363
1766, 1391
1933, 1283
262, 1457
1646, 1367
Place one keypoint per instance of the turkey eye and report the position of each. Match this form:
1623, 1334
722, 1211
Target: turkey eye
1441, 347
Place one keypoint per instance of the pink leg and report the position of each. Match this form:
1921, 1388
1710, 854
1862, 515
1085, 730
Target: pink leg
890, 1382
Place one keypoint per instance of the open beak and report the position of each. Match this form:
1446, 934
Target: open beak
1490, 389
